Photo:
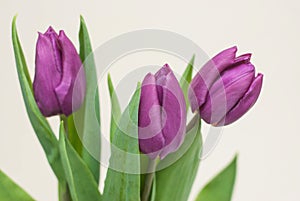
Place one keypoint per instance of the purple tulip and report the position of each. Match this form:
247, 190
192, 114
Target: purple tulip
225, 88
57, 69
162, 114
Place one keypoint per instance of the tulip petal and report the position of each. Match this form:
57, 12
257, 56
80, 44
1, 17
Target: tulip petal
70, 97
227, 91
52, 35
174, 109
47, 76
246, 102
245, 58
151, 139
202, 82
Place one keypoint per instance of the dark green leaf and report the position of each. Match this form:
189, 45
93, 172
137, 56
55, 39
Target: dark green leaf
115, 108
79, 177
186, 79
87, 118
38, 121
183, 169
123, 181
221, 187
10, 191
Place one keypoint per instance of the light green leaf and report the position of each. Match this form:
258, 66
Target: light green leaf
221, 187
183, 171
10, 191
71, 130
38, 121
87, 118
80, 180
115, 108
123, 179
186, 80
153, 190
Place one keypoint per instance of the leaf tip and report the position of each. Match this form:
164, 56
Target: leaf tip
193, 58
235, 159
14, 21
15, 17
82, 19
61, 130
109, 78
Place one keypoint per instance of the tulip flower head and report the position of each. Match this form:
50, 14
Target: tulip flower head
225, 88
57, 67
162, 114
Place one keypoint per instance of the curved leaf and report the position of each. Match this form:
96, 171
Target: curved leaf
221, 187
119, 184
38, 121
10, 191
87, 118
186, 80
115, 108
80, 180
183, 171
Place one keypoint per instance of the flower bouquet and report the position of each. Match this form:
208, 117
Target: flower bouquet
155, 150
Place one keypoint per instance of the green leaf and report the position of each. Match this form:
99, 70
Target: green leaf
72, 133
183, 171
10, 191
186, 80
221, 187
38, 121
80, 180
87, 118
123, 179
153, 192
115, 108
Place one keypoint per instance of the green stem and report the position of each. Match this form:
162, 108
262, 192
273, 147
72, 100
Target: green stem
149, 179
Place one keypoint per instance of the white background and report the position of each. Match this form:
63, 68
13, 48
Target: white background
266, 138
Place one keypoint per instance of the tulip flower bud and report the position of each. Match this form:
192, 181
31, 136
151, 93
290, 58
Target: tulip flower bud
162, 114
225, 88
57, 67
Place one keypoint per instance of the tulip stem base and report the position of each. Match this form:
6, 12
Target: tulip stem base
64, 192
149, 179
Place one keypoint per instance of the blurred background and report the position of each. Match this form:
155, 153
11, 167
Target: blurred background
266, 138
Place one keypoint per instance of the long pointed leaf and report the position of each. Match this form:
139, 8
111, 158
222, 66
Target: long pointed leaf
221, 187
186, 79
119, 183
87, 119
38, 121
80, 180
115, 108
182, 172
10, 191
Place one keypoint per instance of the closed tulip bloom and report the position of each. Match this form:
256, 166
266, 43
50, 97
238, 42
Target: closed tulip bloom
225, 88
57, 69
162, 114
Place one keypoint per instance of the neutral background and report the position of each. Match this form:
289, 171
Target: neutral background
267, 138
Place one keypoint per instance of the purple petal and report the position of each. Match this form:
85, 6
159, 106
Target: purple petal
151, 139
47, 75
70, 97
245, 58
208, 74
174, 110
52, 35
227, 91
246, 102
